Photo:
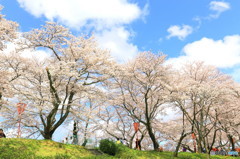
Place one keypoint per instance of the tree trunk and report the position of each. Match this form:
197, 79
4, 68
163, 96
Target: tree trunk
152, 136
75, 132
0, 101
131, 140
50, 123
85, 133
48, 135
199, 146
85, 142
179, 144
230, 138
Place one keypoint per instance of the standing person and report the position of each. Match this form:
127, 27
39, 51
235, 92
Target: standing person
118, 141
70, 141
65, 141
184, 149
2, 135
161, 149
138, 144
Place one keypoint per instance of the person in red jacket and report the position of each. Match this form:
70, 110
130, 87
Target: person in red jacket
2, 135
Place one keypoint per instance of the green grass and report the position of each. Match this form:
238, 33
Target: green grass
125, 152
45, 149
40, 149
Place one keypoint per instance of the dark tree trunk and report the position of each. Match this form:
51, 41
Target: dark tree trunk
188, 148
85, 142
75, 132
0, 101
230, 138
85, 133
199, 146
48, 135
131, 140
148, 122
50, 123
152, 136
179, 144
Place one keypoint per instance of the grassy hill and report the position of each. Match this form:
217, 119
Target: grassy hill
40, 149
45, 149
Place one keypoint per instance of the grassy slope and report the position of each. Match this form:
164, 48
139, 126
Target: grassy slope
44, 149
22, 148
129, 153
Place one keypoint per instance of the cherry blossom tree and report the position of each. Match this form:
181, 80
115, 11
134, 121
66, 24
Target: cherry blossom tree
86, 115
117, 123
200, 97
12, 66
81, 82
228, 120
8, 32
53, 86
141, 88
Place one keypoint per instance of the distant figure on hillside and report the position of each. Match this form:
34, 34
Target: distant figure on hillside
2, 135
70, 141
75, 139
184, 149
204, 150
118, 141
65, 141
222, 152
138, 144
160, 149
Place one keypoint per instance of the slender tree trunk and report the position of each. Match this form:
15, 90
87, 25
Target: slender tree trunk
140, 141
131, 140
152, 136
148, 123
230, 138
85, 134
183, 135
0, 101
75, 132
199, 146
179, 144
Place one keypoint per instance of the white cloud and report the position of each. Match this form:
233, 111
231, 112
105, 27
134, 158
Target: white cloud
39, 55
179, 31
223, 53
79, 13
117, 40
218, 7
106, 17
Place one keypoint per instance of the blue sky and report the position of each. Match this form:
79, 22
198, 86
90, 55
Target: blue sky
130, 26
185, 30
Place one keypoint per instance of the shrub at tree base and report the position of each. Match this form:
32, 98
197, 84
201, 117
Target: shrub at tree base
108, 147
